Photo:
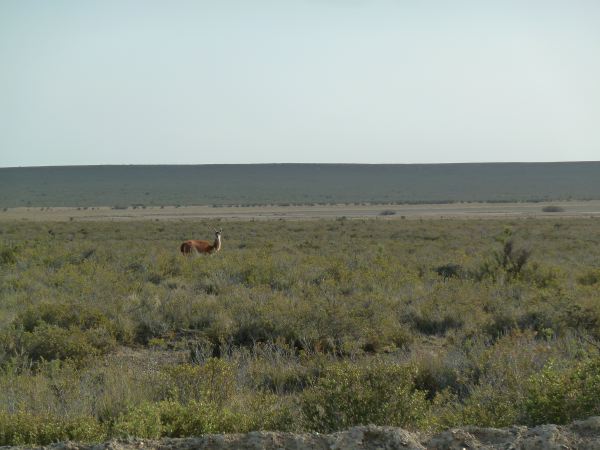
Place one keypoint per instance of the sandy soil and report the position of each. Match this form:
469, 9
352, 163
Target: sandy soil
455, 210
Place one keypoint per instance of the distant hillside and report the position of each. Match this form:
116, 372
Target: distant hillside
296, 183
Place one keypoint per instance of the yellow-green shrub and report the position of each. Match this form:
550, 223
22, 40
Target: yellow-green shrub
348, 394
27, 429
560, 395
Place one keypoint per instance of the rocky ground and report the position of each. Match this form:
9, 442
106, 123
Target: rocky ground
582, 435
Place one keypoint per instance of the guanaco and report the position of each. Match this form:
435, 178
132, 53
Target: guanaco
194, 246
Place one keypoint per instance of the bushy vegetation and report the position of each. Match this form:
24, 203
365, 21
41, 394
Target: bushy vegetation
347, 394
107, 331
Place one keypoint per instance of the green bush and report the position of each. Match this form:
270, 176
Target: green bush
583, 317
553, 209
143, 421
49, 342
435, 375
282, 380
560, 395
62, 315
489, 406
212, 382
449, 270
590, 278
348, 394
509, 262
8, 255
27, 429
60, 331
173, 419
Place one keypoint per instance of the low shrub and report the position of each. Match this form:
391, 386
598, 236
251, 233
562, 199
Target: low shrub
449, 271
28, 429
347, 394
212, 382
553, 209
8, 254
560, 395
143, 421
173, 419
60, 331
62, 315
437, 324
434, 375
583, 317
282, 380
508, 262
590, 278
512, 259
488, 406
49, 342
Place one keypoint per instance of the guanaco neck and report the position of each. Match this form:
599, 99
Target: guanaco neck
217, 243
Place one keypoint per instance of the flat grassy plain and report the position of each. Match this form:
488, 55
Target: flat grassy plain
107, 331
296, 184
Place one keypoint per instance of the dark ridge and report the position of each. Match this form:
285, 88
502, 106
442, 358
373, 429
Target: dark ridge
261, 184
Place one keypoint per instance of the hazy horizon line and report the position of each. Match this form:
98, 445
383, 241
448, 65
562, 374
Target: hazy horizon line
302, 164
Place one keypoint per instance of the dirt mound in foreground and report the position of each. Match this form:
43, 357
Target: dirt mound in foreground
582, 435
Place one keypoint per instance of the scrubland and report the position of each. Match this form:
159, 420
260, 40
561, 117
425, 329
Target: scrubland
107, 331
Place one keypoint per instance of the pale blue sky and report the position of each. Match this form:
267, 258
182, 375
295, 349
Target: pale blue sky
352, 81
